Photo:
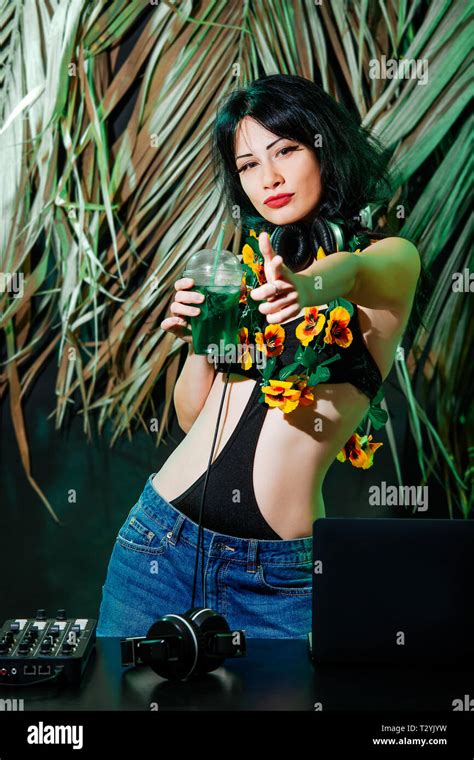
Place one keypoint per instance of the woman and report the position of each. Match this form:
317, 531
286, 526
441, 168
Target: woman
281, 136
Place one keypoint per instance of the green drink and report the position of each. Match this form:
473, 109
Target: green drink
217, 322
218, 276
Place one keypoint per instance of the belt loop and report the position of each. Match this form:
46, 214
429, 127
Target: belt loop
252, 556
173, 535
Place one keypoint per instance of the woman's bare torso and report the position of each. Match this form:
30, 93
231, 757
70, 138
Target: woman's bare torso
293, 453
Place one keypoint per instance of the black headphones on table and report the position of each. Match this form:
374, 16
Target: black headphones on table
178, 646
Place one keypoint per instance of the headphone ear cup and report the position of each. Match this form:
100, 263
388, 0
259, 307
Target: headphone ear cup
206, 619
330, 234
322, 235
182, 666
292, 243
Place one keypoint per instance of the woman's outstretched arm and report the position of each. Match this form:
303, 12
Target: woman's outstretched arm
383, 276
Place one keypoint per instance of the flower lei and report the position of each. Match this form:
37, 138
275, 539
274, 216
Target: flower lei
296, 382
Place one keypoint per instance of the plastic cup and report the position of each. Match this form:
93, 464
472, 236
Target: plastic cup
218, 276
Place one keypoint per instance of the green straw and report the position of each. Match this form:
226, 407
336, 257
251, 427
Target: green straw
218, 252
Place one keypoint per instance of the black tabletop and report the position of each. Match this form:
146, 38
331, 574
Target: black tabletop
275, 674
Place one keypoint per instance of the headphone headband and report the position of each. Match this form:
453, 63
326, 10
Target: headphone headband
336, 230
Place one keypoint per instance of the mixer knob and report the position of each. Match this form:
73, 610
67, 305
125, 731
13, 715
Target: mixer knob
41, 614
61, 615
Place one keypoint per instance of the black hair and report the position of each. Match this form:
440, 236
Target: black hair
353, 162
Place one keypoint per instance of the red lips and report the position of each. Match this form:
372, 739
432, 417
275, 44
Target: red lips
275, 201
275, 197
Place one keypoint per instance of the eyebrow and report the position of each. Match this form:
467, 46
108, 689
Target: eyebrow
244, 155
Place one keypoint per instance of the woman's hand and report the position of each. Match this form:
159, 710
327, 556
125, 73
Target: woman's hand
181, 308
288, 301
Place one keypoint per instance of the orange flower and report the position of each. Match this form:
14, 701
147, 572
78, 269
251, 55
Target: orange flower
306, 397
280, 393
243, 336
312, 325
271, 342
337, 330
244, 289
259, 270
369, 448
359, 451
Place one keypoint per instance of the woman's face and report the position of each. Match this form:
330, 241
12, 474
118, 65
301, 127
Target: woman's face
270, 165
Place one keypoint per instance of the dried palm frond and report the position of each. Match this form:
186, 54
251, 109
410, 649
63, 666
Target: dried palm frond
100, 220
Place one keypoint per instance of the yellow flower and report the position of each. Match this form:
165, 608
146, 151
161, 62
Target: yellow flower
311, 326
243, 336
247, 254
248, 257
280, 393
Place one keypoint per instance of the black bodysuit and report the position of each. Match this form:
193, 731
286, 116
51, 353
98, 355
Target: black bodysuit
236, 512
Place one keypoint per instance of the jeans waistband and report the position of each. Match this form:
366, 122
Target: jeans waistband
281, 552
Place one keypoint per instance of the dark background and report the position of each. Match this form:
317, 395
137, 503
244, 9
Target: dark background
46, 565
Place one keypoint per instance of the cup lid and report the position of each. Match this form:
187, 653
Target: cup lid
204, 263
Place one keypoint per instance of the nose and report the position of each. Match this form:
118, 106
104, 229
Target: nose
271, 178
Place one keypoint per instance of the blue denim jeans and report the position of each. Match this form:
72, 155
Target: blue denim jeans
263, 587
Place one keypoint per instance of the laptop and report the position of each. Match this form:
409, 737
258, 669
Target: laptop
393, 590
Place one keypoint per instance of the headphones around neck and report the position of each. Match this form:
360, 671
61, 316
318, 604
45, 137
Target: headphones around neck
298, 243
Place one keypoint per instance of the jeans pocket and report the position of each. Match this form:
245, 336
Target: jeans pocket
141, 533
293, 579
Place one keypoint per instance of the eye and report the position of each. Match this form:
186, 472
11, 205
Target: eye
289, 148
244, 167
